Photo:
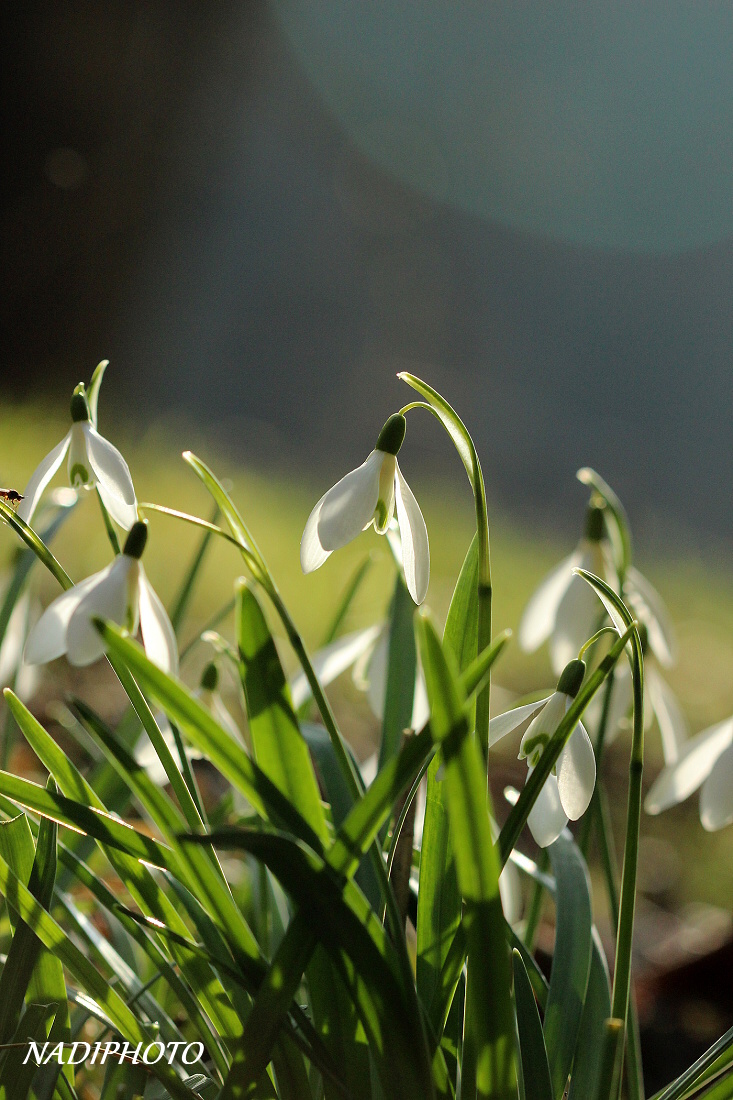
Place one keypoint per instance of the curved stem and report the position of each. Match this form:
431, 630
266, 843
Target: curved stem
464, 444
109, 526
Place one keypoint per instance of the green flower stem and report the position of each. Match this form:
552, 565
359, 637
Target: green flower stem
586, 830
621, 994
109, 526
622, 970
634, 1075
609, 1074
463, 443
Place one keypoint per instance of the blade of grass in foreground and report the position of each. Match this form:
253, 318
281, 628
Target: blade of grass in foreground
439, 899
535, 1070
364, 956
488, 1044
571, 959
56, 940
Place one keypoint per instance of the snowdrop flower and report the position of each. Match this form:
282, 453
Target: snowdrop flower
14, 672
568, 790
93, 461
370, 675
660, 702
706, 762
369, 496
208, 693
121, 593
565, 608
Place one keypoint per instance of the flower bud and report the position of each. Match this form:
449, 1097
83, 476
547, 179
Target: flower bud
79, 408
210, 677
392, 435
594, 523
571, 678
136, 540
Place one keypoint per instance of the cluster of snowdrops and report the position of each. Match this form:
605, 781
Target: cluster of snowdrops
610, 640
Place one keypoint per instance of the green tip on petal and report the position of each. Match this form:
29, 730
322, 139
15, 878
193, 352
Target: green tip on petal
79, 407
571, 678
210, 677
392, 435
136, 540
594, 523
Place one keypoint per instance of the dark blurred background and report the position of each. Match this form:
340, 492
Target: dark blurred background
540, 225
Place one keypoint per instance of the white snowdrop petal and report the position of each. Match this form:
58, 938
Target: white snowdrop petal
420, 703
578, 614
312, 554
109, 599
654, 615
123, 514
670, 719
547, 819
503, 724
12, 643
159, 637
40, 479
332, 660
698, 757
109, 466
223, 717
716, 796
377, 675
47, 639
576, 773
538, 618
348, 507
414, 535
510, 891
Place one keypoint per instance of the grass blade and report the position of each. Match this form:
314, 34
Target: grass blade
596, 1010
401, 672
535, 1070
571, 960
488, 1053
439, 899
278, 745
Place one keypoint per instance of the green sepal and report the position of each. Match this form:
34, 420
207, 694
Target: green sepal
392, 435
79, 408
136, 540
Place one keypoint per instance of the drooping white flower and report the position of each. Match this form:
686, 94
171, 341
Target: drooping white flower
208, 694
92, 461
660, 703
564, 608
14, 672
706, 762
370, 676
567, 792
369, 496
121, 593
332, 660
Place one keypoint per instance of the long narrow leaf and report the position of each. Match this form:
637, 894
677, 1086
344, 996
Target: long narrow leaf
439, 899
535, 1070
489, 1031
571, 960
